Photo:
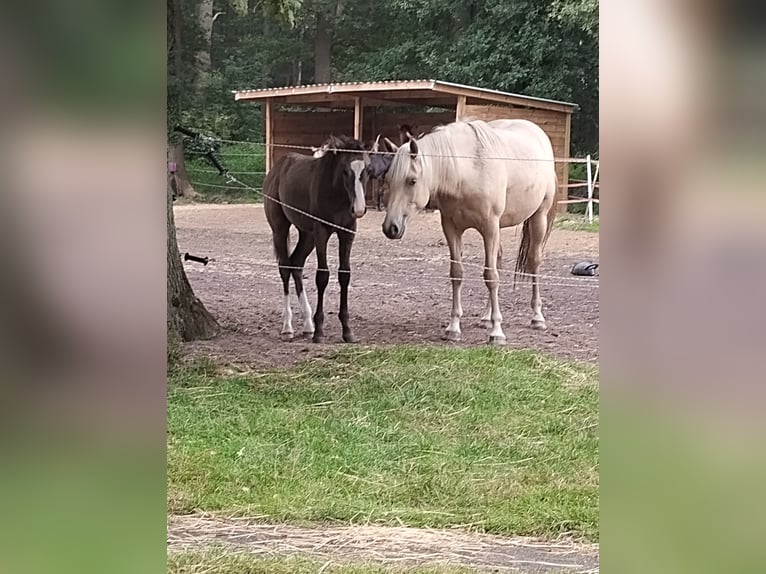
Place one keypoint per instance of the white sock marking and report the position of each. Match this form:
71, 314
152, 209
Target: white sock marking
287, 317
308, 320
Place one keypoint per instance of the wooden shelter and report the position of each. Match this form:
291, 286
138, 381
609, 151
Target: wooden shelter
364, 110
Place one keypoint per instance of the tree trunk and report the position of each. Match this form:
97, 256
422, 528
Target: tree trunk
205, 23
184, 184
187, 317
322, 50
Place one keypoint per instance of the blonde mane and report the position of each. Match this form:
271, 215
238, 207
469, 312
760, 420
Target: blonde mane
439, 157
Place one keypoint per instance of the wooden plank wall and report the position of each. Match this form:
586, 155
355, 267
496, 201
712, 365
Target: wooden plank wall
380, 122
308, 129
555, 124
313, 128
387, 124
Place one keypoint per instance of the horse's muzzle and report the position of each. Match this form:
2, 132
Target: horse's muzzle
393, 231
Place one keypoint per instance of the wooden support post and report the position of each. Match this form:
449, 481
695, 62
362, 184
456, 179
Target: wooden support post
563, 168
269, 135
590, 190
460, 108
358, 118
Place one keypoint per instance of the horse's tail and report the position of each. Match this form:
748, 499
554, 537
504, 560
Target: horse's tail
523, 267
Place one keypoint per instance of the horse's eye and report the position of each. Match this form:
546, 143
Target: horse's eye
411, 181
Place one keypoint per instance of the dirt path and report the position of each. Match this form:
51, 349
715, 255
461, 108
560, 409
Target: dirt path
382, 545
400, 290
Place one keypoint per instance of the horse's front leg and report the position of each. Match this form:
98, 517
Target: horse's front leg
486, 316
321, 236
345, 241
491, 235
455, 241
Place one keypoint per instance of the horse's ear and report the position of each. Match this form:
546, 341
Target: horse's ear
376, 146
334, 143
413, 148
391, 145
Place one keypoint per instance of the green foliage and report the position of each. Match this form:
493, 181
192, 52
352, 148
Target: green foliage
544, 48
245, 161
428, 436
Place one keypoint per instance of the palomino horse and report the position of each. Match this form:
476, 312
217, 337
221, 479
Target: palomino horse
331, 188
485, 176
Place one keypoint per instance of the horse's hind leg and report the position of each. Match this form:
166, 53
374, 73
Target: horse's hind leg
455, 241
491, 235
345, 241
538, 225
281, 237
321, 236
302, 250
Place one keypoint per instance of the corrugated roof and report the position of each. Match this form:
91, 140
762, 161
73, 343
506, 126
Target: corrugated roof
437, 86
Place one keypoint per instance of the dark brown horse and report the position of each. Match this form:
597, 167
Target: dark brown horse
331, 188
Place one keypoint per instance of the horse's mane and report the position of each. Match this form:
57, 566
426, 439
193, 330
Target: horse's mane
343, 143
440, 165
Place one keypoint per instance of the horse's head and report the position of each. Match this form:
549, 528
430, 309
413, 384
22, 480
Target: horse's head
380, 162
407, 192
350, 173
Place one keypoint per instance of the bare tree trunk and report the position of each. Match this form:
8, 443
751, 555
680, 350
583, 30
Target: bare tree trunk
205, 23
322, 50
184, 187
188, 319
184, 184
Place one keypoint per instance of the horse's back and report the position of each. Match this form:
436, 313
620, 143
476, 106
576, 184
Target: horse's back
527, 139
532, 183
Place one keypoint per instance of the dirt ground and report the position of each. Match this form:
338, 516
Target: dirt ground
400, 290
383, 545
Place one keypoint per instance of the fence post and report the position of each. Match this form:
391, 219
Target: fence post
590, 190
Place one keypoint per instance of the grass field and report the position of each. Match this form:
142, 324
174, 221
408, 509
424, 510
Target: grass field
506, 442
576, 222
245, 161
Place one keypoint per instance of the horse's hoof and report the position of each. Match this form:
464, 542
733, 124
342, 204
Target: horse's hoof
318, 338
350, 338
308, 333
287, 336
538, 325
453, 336
485, 323
498, 340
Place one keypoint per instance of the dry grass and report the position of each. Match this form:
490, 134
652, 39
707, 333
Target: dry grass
376, 548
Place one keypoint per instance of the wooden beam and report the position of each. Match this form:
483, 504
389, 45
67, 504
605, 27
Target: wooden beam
567, 142
502, 98
460, 108
269, 135
334, 88
339, 100
358, 109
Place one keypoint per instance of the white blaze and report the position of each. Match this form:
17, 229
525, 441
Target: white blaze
359, 202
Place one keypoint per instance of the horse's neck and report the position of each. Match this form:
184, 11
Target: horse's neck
440, 165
